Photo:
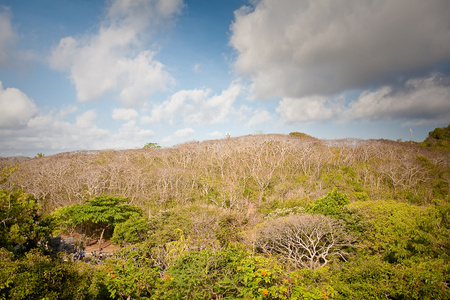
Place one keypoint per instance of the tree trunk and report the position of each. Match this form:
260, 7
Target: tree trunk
100, 240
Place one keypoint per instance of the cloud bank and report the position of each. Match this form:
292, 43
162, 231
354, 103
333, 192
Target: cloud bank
22, 126
298, 48
113, 59
420, 100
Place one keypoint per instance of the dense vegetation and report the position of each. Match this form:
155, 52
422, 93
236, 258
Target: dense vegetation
253, 217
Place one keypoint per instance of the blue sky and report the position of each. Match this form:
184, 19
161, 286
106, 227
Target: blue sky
117, 74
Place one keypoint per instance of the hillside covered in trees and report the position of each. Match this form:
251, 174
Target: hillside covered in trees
259, 216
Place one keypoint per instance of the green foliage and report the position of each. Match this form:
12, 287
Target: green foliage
36, 276
400, 231
228, 230
299, 134
152, 146
331, 204
96, 215
439, 138
236, 274
440, 133
370, 277
167, 227
133, 277
131, 231
103, 210
21, 226
361, 196
6, 172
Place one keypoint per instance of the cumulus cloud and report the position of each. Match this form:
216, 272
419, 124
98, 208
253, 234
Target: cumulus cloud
8, 36
421, 101
298, 48
124, 114
86, 119
112, 60
130, 135
260, 116
306, 109
195, 107
17, 109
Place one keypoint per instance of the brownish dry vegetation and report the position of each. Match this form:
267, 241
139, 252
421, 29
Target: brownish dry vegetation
244, 174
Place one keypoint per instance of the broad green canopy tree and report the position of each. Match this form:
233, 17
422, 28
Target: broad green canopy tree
96, 215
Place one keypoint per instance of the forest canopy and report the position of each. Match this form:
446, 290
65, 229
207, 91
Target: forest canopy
260, 216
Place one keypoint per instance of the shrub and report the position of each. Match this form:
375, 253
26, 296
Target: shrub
331, 204
305, 241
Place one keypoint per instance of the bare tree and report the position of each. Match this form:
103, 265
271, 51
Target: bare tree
306, 241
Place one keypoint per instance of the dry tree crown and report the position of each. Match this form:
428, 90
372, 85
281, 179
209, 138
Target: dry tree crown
306, 240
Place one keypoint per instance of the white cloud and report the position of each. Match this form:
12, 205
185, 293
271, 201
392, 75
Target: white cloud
216, 134
314, 108
180, 135
184, 133
195, 107
131, 136
86, 119
419, 101
7, 35
113, 60
53, 133
260, 116
299, 48
124, 114
16, 108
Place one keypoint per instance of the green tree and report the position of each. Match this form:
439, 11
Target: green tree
96, 215
152, 146
439, 138
440, 133
21, 226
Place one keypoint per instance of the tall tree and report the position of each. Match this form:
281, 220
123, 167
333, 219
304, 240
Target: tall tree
96, 215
